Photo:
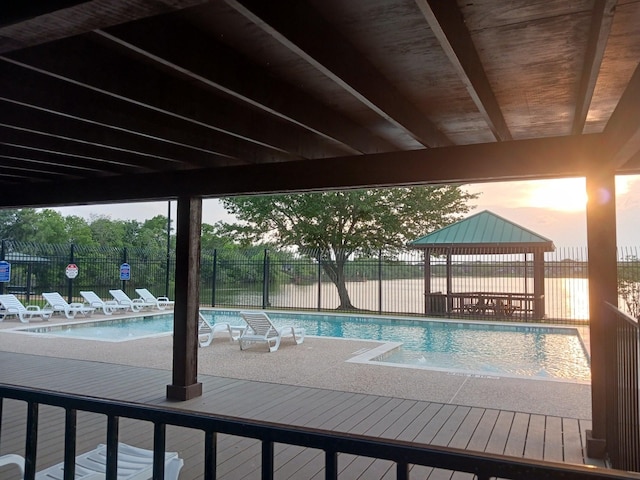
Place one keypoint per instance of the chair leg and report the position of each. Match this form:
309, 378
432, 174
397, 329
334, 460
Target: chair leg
276, 344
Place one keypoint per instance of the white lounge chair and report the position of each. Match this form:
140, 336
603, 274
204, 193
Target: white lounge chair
107, 306
10, 305
206, 331
133, 464
59, 305
136, 304
261, 329
160, 302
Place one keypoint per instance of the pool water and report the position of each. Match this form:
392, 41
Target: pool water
491, 349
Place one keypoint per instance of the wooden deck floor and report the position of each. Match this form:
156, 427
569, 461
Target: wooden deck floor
504, 432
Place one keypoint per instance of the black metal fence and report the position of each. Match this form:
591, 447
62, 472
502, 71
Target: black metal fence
623, 405
37, 268
258, 278
403, 454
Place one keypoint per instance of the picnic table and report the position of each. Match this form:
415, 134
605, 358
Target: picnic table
498, 304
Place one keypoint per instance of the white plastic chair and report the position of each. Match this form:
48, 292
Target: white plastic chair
206, 331
107, 306
136, 304
133, 464
10, 305
261, 329
160, 302
70, 310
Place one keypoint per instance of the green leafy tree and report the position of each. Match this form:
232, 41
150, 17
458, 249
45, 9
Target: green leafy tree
336, 226
107, 232
629, 285
8, 223
152, 234
78, 231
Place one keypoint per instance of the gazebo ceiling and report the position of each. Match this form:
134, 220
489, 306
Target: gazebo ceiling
114, 100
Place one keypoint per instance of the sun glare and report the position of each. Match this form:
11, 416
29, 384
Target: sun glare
569, 195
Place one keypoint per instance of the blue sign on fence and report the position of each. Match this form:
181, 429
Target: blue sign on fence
125, 272
5, 271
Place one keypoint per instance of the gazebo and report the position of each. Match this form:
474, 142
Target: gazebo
484, 233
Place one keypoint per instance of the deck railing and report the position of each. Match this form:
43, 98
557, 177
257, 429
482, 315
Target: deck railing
404, 454
623, 406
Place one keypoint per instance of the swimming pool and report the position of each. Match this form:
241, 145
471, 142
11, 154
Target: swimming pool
498, 349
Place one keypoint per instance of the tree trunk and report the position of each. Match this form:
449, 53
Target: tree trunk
335, 272
343, 294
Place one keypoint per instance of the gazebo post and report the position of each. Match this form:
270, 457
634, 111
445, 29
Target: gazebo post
427, 281
538, 284
449, 282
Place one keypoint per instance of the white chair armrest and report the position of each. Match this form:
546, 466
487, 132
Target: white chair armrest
13, 459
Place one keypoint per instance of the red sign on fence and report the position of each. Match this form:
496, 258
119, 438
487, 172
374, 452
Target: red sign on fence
71, 271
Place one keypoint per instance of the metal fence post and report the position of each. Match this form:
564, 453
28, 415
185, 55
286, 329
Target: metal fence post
2, 250
166, 288
265, 279
70, 280
213, 277
319, 280
380, 281
124, 260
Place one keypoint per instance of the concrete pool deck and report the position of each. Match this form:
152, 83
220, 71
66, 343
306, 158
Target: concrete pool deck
318, 362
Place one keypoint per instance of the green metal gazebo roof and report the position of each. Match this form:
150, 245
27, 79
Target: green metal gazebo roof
484, 232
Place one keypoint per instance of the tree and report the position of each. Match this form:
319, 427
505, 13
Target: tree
107, 232
629, 284
340, 225
8, 220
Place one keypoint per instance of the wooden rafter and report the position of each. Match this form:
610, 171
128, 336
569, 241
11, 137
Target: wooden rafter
237, 79
96, 107
622, 133
36, 22
302, 30
446, 23
601, 21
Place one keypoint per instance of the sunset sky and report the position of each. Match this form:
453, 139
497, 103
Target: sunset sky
552, 208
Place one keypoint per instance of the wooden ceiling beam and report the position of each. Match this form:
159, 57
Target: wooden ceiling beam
446, 23
50, 160
36, 22
108, 160
621, 136
12, 172
153, 153
17, 11
198, 146
199, 57
601, 21
555, 157
100, 63
302, 30
145, 153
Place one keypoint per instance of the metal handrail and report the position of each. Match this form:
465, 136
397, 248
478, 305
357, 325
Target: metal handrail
623, 380
403, 453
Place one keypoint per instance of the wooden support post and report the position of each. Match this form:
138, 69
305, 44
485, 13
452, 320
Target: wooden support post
427, 281
185, 325
449, 282
538, 284
603, 287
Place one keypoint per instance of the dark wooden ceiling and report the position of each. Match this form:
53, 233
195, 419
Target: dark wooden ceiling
120, 100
